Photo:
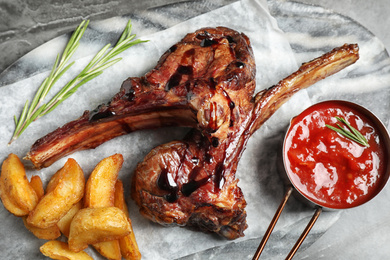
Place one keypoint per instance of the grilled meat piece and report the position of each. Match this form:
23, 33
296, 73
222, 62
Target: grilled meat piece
184, 89
192, 182
187, 183
206, 82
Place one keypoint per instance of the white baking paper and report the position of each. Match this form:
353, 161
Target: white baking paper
258, 168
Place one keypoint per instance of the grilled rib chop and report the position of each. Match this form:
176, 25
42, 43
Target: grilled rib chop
206, 82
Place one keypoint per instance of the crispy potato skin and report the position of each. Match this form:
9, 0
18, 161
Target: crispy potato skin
64, 223
104, 223
94, 225
37, 185
60, 250
9, 204
109, 249
49, 233
99, 192
128, 244
16, 193
69, 190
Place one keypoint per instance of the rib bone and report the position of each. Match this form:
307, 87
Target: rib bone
205, 82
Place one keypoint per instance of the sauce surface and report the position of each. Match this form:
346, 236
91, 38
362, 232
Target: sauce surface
328, 168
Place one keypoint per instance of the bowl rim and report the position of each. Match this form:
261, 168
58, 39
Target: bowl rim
386, 144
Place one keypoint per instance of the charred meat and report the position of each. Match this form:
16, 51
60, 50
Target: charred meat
205, 82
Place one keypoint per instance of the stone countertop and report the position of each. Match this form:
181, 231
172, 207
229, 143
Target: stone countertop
372, 15
26, 24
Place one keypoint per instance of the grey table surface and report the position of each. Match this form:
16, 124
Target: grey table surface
26, 24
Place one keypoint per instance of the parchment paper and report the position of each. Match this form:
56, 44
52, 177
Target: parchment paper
257, 171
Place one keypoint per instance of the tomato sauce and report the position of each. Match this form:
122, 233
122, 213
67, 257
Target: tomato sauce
327, 167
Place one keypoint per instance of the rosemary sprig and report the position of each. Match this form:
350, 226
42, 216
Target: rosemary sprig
102, 60
30, 112
350, 133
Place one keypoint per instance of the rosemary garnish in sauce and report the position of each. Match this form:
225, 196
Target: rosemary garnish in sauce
350, 133
100, 61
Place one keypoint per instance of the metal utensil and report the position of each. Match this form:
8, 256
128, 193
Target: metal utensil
318, 206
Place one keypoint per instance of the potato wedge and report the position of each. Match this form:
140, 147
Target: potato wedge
94, 225
49, 233
119, 197
9, 205
99, 190
54, 180
37, 185
15, 190
129, 247
60, 250
109, 249
64, 223
54, 205
128, 244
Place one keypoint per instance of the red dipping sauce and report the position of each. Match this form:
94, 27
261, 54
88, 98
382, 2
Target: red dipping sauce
328, 168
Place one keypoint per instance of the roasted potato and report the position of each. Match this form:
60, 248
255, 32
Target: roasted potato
99, 190
60, 250
59, 209
16, 193
94, 225
37, 185
49, 233
9, 204
64, 223
54, 180
119, 197
128, 244
69, 190
109, 249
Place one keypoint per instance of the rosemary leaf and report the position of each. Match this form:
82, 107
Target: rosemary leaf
85, 80
37, 97
101, 61
126, 32
47, 109
351, 133
30, 112
95, 59
61, 73
22, 115
75, 38
354, 131
105, 65
43, 90
20, 124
